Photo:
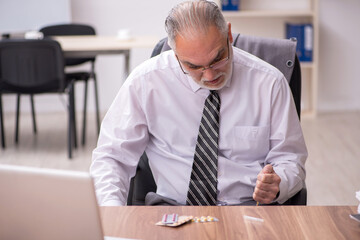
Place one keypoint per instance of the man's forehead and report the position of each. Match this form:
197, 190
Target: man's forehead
204, 44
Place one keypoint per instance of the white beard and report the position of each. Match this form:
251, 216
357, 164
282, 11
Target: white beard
227, 76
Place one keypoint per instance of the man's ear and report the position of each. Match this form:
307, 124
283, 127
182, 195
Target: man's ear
229, 32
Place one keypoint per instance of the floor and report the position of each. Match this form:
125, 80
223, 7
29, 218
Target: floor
333, 165
333, 141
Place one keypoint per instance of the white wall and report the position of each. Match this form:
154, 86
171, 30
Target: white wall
339, 79
19, 16
339, 47
25, 15
108, 16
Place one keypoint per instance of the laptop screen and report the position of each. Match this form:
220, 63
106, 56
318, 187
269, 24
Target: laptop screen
47, 204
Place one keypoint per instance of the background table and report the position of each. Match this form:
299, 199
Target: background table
280, 222
91, 46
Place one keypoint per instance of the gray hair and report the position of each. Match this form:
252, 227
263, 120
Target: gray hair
191, 18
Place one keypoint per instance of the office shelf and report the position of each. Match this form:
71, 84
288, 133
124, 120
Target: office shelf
307, 65
267, 18
268, 13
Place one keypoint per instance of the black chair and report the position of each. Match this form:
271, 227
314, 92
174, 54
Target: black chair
35, 67
78, 29
281, 53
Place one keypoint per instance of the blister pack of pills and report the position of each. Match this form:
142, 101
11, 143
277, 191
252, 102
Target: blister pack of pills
173, 220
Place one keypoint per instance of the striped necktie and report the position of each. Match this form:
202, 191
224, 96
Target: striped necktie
203, 180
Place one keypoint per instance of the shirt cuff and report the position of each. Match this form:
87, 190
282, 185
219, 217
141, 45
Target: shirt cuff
111, 203
283, 186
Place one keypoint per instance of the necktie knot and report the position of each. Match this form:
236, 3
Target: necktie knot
215, 94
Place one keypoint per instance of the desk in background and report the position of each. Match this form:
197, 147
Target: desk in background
91, 46
280, 222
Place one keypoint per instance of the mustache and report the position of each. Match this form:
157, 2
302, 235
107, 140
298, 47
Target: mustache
203, 79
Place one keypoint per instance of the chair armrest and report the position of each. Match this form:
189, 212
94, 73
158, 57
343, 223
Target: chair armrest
299, 198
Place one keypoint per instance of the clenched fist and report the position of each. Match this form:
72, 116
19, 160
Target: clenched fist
267, 185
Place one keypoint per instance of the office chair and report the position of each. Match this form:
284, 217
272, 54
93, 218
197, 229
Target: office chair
35, 67
281, 53
78, 29
8, 36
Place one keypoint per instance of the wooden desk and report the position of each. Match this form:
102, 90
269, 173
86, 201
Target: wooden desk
280, 222
91, 46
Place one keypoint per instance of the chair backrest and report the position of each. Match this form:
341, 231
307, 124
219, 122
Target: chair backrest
31, 66
280, 53
70, 30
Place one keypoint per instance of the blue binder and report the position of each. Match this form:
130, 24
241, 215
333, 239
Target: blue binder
230, 5
304, 35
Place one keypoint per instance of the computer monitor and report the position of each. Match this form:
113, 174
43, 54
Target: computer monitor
47, 204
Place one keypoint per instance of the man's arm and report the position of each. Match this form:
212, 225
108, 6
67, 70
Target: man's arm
284, 172
123, 138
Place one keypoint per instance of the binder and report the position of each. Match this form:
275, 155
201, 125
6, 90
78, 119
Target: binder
304, 36
230, 5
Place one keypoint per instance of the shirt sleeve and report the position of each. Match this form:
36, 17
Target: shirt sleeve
122, 140
288, 151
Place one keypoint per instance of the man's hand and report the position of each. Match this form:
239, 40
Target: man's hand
267, 185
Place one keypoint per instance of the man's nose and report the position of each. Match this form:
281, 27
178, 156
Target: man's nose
209, 74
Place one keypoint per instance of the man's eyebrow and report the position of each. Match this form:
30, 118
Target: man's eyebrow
190, 64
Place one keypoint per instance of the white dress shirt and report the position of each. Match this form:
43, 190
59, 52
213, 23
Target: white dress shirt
158, 110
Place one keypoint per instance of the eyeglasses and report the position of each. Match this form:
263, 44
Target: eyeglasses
200, 69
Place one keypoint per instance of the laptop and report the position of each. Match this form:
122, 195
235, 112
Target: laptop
47, 204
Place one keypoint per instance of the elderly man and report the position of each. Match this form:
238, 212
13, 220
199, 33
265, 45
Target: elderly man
218, 125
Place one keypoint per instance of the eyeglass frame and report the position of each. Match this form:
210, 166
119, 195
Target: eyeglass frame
211, 66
